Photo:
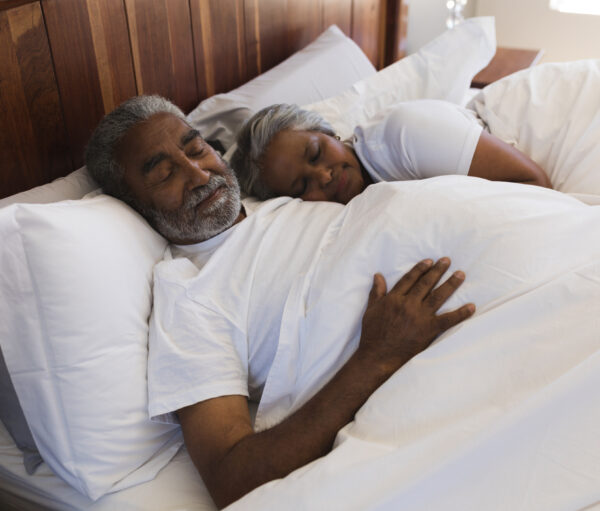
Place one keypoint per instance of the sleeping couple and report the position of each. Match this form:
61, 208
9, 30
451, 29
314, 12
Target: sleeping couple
240, 275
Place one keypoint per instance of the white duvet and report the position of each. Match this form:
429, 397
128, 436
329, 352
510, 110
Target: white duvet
502, 412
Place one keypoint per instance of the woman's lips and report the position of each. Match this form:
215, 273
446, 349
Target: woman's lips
342, 180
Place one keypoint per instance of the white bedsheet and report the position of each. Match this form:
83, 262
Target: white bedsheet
502, 411
177, 487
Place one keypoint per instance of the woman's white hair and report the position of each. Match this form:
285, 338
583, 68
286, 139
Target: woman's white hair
255, 136
100, 153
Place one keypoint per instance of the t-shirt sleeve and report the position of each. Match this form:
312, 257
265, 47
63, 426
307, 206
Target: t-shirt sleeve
195, 353
417, 140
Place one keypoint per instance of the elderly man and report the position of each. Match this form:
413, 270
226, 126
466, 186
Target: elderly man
220, 300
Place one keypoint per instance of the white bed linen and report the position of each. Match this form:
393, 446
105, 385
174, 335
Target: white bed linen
177, 487
502, 412
551, 112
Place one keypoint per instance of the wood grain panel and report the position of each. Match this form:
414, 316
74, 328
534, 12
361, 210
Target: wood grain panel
338, 12
32, 137
9, 4
219, 44
92, 62
110, 35
396, 23
368, 24
162, 46
277, 28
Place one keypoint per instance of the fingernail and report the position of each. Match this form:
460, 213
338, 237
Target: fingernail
445, 260
459, 275
428, 262
471, 308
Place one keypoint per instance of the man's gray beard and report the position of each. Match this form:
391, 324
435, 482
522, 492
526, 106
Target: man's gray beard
185, 224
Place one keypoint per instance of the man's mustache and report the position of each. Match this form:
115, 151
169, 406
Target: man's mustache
196, 196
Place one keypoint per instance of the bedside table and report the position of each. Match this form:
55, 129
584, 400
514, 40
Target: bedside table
506, 61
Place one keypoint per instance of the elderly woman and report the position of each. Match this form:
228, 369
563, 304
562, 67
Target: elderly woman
284, 150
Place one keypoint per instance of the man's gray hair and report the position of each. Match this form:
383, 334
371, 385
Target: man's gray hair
100, 153
256, 135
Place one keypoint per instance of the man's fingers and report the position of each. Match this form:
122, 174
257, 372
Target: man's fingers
449, 319
407, 281
429, 279
439, 295
378, 289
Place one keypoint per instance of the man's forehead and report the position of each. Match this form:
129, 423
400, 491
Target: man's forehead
144, 137
162, 124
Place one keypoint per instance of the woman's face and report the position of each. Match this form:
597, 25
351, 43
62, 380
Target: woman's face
313, 166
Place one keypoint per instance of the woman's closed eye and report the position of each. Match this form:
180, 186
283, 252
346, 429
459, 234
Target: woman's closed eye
315, 153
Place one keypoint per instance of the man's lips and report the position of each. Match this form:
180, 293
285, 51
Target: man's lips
210, 199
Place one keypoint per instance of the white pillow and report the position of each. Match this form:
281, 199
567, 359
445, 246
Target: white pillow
552, 113
75, 295
325, 67
73, 186
442, 69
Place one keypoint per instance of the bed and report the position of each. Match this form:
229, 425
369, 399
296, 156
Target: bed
76, 272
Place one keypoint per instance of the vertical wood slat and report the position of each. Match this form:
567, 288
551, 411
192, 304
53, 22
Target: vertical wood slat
112, 51
162, 47
94, 35
338, 12
254, 63
219, 45
368, 28
395, 30
32, 136
277, 28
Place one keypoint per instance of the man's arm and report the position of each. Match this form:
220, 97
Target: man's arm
234, 460
498, 161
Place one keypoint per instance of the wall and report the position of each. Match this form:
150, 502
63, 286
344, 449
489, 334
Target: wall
427, 20
531, 24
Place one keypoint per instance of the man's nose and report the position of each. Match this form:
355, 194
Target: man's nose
195, 174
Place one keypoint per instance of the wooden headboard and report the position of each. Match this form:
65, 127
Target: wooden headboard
65, 63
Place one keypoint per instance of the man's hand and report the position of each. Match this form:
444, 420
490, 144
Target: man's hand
234, 460
400, 324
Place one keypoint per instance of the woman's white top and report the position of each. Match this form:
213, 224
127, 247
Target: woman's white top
417, 140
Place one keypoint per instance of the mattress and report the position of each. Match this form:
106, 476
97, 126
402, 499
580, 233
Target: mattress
177, 487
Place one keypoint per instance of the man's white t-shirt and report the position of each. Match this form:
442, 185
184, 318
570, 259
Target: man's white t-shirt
214, 329
417, 140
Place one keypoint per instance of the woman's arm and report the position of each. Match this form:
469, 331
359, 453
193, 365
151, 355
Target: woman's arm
498, 161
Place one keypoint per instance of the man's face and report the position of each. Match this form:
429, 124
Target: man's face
177, 181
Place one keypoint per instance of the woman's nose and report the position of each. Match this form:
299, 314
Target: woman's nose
322, 175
